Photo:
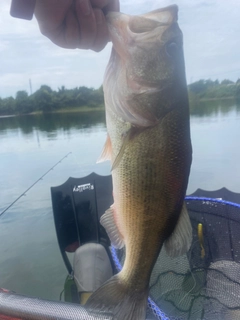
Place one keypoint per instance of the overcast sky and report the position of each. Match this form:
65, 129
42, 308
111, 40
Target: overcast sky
211, 31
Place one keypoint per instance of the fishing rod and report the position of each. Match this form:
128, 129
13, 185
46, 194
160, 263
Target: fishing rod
24, 193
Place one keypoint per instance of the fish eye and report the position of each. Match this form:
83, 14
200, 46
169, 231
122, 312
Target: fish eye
172, 49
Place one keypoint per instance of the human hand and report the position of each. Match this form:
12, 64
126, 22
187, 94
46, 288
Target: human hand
75, 23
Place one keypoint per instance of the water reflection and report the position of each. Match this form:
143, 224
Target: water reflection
214, 107
51, 123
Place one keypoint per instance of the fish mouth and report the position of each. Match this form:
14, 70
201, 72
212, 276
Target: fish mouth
163, 16
125, 29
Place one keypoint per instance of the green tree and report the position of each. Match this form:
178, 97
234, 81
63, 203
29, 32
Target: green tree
44, 99
198, 86
7, 106
96, 98
238, 91
22, 103
226, 82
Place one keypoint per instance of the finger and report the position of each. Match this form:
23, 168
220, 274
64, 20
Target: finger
70, 36
51, 14
113, 5
99, 3
59, 23
87, 23
102, 36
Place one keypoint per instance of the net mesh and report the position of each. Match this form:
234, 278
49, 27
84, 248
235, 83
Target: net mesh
204, 283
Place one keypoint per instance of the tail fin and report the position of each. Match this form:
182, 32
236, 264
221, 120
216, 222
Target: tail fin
118, 299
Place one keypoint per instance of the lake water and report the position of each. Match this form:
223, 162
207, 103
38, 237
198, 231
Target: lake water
30, 260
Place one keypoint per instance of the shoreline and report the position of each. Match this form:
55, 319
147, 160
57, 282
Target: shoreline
217, 99
192, 101
66, 110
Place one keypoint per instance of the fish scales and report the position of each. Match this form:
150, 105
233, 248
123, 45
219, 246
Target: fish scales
147, 197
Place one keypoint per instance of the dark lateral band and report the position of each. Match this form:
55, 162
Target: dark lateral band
22, 9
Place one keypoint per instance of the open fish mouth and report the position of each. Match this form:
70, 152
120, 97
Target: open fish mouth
139, 26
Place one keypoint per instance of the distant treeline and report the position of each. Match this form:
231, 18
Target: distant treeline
208, 89
47, 100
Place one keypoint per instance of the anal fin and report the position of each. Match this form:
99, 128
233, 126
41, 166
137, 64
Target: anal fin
180, 240
108, 222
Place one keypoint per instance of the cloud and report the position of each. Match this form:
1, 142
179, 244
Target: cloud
211, 31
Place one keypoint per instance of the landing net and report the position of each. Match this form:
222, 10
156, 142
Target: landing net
204, 283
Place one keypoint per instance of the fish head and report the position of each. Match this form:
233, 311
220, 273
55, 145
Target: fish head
146, 70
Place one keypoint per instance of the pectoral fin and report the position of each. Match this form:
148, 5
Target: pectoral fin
108, 222
107, 151
126, 139
180, 240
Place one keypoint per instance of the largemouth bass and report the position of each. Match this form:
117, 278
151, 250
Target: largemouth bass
149, 146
